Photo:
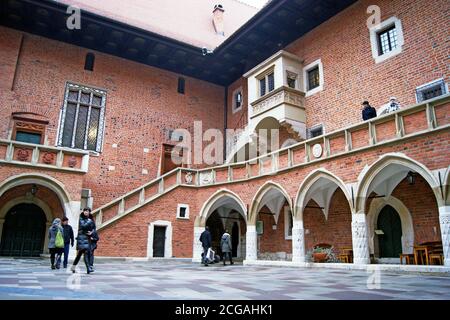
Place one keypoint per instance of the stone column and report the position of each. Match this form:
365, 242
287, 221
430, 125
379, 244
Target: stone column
251, 243
298, 241
197, 245
48, 224
360, 239
444, 220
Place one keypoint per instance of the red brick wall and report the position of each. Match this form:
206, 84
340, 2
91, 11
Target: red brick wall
142, 102
274, 240
336, 230
422, 205
350, 72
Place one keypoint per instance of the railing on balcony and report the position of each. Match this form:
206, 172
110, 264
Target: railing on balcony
41, 156
430, 116
282, 95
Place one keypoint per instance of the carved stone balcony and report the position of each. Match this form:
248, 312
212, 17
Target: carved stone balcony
41, 156
285, 104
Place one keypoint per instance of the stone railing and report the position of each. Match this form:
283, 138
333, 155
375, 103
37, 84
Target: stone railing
429, 116
279, 96
42, 156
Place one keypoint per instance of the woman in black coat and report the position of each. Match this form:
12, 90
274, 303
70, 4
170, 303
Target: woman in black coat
86, 227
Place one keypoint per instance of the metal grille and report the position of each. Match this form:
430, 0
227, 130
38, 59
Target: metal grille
82, 118
387, 40
431, 91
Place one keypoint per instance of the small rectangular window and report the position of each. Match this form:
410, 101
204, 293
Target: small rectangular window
315, 132
313, 78
183, 211
181, 85
387, 40
262, 87
28, 137
430, 91
89, 62
271, 82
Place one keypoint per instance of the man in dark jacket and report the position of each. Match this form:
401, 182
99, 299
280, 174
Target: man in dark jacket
368, 112
68, 240
205, 239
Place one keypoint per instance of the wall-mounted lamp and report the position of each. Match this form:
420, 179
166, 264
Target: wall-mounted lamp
411, 177
33, 189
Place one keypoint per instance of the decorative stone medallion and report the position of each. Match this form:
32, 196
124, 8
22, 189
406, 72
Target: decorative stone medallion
23, 154
188, 178
317, 150
72, 161
48, 157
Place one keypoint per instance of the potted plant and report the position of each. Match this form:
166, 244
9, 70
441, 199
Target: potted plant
320, 254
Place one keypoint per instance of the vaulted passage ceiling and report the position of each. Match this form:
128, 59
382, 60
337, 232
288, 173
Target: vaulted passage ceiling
275, 26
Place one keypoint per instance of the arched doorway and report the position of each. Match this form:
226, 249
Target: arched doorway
389, 227
24, 231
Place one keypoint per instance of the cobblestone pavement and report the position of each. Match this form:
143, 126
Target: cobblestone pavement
119, 280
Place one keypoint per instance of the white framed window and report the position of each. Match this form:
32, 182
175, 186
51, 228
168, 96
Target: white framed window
266, 81
315, 131
386, 39
288, 223
237, 100
182, 211
82, 118
313, 77
431, 90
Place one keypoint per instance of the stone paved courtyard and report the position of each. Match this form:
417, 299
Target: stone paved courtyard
119, 280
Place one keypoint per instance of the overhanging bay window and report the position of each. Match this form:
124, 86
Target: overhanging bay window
82, 118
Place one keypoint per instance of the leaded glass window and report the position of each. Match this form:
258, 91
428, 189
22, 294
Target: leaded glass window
82, 118
387, 40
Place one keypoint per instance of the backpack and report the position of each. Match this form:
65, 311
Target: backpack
59, 239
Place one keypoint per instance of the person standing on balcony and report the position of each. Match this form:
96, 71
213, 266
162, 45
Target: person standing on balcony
56, 242
68, 241
225, 244
394, 105
86, 227
368, 112
205, 239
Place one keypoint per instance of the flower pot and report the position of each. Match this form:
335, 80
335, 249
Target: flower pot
320, 256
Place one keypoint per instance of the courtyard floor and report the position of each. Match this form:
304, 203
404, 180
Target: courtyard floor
120, 280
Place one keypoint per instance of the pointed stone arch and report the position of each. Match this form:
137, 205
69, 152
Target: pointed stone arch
385, 174
319, 179
257, 201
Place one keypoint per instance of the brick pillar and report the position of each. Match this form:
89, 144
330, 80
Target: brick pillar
251, 243
360, 239
444, 220
298, 241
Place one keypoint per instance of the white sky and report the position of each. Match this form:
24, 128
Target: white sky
255, 3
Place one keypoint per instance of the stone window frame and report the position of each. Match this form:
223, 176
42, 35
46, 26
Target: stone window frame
183, 205
26, 123
264, 75
374, 39
101, 127
440, 81
312, 65
235, 109
315, 127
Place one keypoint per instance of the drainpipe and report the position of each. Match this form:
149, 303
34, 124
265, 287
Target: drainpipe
225, 126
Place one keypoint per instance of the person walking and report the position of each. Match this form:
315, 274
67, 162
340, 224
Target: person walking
368, 112
205, 239
86, 226
68, 240
55, 243
225, 244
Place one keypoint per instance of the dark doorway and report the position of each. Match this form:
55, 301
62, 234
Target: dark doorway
159, 241
23, 232
235, 239
390, 242
216, 229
